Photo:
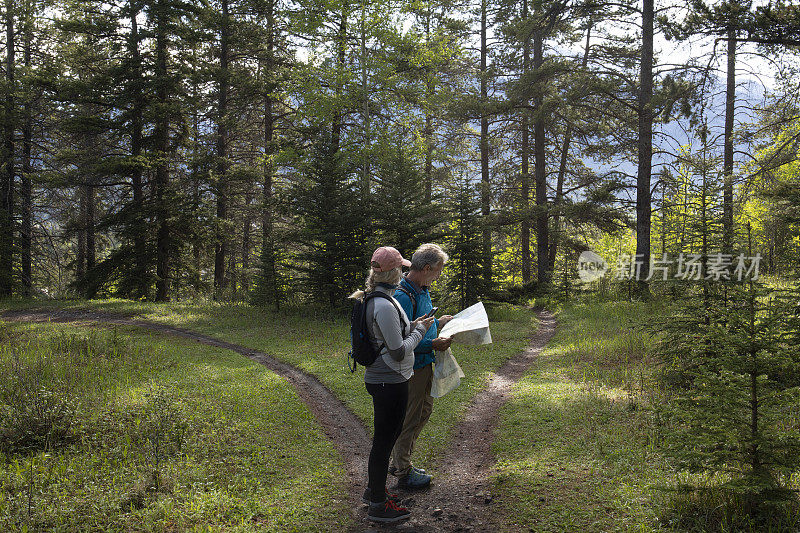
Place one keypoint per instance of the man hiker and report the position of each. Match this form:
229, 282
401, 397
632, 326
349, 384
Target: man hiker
413, 295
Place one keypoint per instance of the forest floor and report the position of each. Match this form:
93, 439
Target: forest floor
486, 454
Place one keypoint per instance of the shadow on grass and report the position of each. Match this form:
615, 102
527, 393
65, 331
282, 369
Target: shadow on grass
574, 447
252, 453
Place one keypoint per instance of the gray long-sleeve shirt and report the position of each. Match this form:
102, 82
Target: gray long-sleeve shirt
392, 331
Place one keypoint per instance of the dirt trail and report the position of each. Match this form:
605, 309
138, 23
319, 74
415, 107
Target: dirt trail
459, 498
343, 428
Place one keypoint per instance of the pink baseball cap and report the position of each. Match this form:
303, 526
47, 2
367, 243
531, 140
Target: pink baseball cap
387, 258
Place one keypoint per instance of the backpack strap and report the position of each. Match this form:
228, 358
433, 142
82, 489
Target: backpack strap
385, 296
413, 301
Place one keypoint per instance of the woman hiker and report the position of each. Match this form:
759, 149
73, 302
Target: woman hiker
394, 339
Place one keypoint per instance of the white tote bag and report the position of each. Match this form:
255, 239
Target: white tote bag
446, 374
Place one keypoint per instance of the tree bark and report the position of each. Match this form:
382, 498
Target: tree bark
161, 142
247, 229
484, 148
196, 238
268, 266
80, 261
7, 184
730, 107
428, 133
26, 229
341, 57
525, 176
365, 114
89, 224
222, 159
540, 176
645, 148
141, 286
233, 275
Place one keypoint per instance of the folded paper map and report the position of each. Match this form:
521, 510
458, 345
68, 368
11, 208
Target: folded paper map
470, 326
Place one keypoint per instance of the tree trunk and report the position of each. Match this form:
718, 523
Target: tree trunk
196, 238
268, 266
525, 177
540, 176
365, 114
755, 371
141, 286
7, 172
247, 228
643, 208
562, 170
80, 262
222, 160
161, 142
341, 55
484, 147
89, 224
428, 133
26, 230
233, 275
727, 189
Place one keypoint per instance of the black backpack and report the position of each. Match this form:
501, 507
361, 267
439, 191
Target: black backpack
362, 351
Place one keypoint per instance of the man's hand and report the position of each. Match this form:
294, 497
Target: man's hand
444, 319
442, 343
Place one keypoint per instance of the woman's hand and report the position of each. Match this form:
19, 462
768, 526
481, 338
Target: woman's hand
427, 322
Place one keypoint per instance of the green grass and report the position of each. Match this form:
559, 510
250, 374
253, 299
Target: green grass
318, 342
252, 457
575, 450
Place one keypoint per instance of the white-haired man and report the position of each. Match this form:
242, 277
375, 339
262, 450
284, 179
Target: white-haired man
414, 296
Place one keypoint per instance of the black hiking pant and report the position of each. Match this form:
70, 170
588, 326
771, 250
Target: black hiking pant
389, 401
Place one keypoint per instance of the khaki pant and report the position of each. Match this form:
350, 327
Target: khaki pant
420, 405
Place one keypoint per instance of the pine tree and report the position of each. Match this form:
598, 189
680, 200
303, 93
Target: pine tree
402, 215
464, 245
331, 224
732, 361
277, 68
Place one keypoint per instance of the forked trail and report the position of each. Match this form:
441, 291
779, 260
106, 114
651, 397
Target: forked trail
459, 498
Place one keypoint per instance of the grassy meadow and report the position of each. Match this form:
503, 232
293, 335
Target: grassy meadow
171, 435
574, 447
245, 397
578, 448
163, 435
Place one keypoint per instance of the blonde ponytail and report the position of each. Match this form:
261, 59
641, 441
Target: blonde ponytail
392, 277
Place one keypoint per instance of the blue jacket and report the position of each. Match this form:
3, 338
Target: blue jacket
423, 353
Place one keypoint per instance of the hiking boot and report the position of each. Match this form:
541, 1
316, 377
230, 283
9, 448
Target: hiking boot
413, 481
387, 512
393, 470
389, 496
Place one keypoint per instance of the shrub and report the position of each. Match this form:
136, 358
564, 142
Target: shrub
36, 408
713, 509
162, 427
83, 347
